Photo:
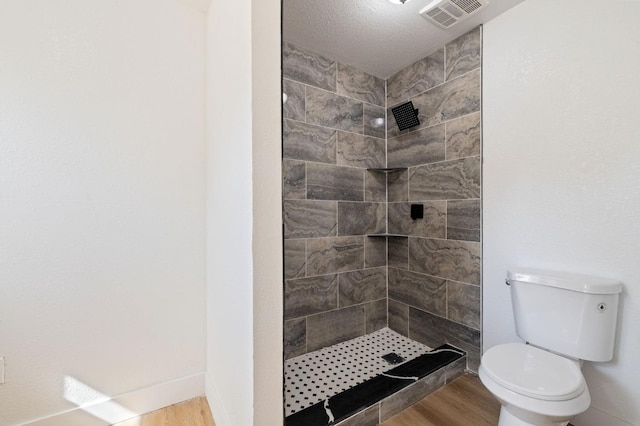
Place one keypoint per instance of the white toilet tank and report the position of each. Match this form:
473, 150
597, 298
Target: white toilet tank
570, 314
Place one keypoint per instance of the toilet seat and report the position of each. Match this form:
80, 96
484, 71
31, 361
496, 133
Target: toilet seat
533, 372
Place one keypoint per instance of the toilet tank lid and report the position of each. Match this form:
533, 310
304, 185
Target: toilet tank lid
565, 280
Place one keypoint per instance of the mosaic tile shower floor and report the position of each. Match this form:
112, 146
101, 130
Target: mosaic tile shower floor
321, 374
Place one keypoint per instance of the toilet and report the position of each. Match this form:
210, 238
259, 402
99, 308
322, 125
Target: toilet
565, 319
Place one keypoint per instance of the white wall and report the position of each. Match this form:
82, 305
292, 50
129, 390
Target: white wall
102, 206
561, 99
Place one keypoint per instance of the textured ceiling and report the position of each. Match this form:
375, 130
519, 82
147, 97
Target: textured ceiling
375, 36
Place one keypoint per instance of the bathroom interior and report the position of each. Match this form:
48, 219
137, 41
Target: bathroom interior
155, 189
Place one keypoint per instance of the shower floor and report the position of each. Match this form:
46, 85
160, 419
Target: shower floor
347, 372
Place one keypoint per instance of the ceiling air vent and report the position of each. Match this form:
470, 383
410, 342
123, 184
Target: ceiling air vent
445, 13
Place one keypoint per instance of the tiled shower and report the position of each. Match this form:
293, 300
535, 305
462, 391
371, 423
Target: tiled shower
355, 261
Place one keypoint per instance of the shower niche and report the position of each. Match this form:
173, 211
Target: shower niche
366, 274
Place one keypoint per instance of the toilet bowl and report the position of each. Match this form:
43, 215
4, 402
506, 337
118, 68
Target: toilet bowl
534, 386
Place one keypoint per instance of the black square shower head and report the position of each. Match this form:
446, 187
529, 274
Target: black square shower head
406, 116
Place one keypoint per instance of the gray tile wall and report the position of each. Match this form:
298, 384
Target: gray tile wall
340, 284
335, 277
434, 275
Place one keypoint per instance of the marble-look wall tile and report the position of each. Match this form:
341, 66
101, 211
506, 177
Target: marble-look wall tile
327, 182
294, 179
399, 317
432, 225
463, 303
295, 338
361, 218
456, 179
310, 218
463, 137
361, 286
420, 147
335, 111
328, 255
463, 54
309, 68
360, 151
398, 252
398, 186
306, 296
433, 331
359, 85
375, 186
307, 142
410, 395
295, 258
294, 107
454, 260
463, 220
418, 290
450, 100
375, 315
416, 78
372, 124
375, 252
330, 328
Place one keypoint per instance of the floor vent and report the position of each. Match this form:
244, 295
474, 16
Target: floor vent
445, 13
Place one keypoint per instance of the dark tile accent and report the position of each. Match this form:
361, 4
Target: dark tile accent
376, 315
375, 186
418, 290
368, 417
399, 317
335, 111
463, 54
463, 220
398, 186
433, 330
328, 255
416, 78
371, 127
454, 260
294, 107
306, 296
303, 141
361, 286
310, 219
327, 182
432, 225
295, 259
375, 252
361, 218
330, 328
359, 85
295, 338
463, 304
360, 151
463, 137
420, 147
457, 179
294, 179
398, 252
411, 394
309, 68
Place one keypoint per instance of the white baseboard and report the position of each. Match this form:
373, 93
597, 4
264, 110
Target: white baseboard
128, 405
595, 417
220, 416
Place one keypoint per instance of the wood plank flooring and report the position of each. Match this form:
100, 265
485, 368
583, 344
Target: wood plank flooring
194, 412
463, 402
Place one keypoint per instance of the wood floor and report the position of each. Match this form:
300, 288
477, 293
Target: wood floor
194, 412
463, 402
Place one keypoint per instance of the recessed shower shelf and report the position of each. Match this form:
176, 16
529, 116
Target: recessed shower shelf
387, 235
387, 170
